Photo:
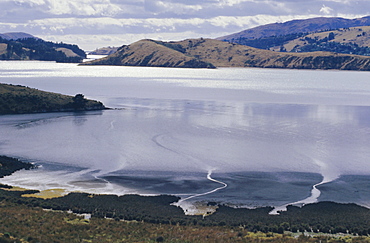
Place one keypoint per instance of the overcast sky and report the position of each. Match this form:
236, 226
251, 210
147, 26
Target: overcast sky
97, 23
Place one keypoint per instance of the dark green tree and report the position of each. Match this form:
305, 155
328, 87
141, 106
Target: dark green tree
331, 36
79, 102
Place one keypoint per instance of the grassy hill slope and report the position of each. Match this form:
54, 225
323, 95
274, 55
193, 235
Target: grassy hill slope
16, 99
355, 35
151, 54
206, 53
298, 26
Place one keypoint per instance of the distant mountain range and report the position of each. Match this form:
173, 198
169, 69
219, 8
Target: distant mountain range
104, 51
297, 26
349, 36
23, 46
208, 53
16, 36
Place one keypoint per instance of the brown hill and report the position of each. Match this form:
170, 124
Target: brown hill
151, 54
298, 26
207, 53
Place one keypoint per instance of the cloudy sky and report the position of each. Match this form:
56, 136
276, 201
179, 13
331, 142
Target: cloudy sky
96, 23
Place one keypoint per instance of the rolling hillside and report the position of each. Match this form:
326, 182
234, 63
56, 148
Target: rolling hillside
16, 35
337, 35
208, 53
23, 46
297, 26
152, 53
354, 35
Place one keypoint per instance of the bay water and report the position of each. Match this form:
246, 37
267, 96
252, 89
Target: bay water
240, 136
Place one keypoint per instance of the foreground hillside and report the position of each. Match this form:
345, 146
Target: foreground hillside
16, 99
20, 223
208, 53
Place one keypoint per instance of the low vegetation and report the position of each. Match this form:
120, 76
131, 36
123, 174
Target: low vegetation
152, 220
267, 43
136, 218
9, 165
19, 223
17, 99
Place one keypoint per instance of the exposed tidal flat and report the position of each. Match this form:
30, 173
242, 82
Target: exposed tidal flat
268, 135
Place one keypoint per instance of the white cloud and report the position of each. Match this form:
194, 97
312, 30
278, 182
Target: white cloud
326, 10
127, 31
177, 8
341, 1
31, 2
136, 19
75, 7
223, 3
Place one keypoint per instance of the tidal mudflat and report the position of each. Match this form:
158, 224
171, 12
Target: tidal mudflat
247, 137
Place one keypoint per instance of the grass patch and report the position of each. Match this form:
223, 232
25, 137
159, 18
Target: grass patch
47, 194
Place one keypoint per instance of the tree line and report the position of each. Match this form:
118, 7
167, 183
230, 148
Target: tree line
316, 44
311, 44
38, 49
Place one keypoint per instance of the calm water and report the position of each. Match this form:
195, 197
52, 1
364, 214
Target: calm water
263, 136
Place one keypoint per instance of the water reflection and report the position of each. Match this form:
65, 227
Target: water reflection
191, 136
199, 135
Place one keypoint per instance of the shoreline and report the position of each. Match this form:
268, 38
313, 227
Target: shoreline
9, 165
200, 195
319, 217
